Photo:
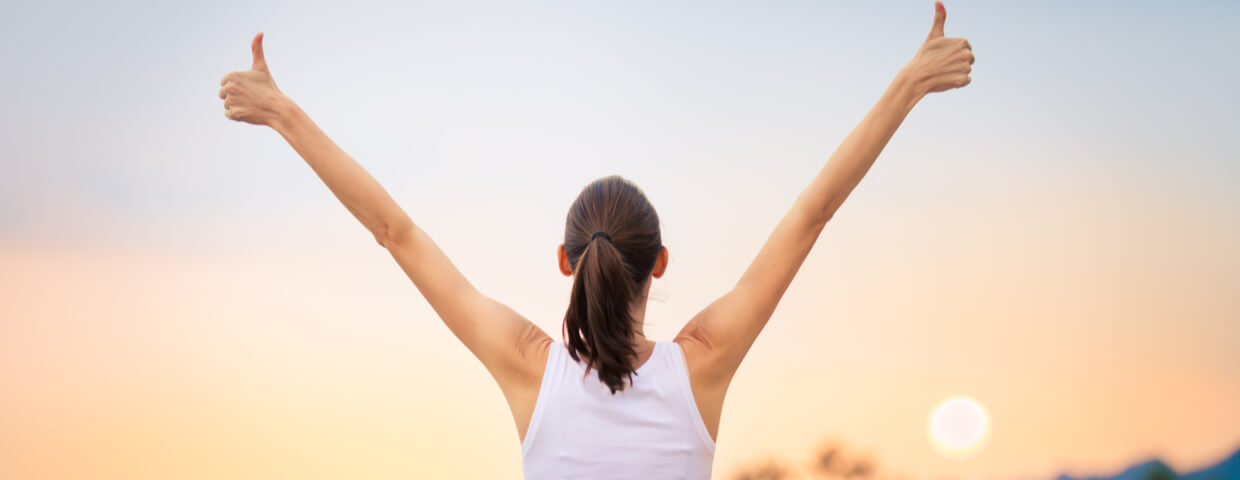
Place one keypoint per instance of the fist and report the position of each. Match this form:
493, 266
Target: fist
942, 63
251, 96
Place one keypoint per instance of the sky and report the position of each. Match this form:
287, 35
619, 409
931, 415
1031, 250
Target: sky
181, 298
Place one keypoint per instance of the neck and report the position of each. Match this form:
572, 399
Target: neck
638, 312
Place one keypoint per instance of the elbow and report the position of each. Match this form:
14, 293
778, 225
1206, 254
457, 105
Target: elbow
827, 212
815, 212
395, 233
817, 219
820, 222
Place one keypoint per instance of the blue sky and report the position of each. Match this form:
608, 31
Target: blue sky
115, 112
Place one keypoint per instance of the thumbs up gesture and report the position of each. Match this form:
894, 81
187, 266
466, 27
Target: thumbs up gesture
251, 96
942, 63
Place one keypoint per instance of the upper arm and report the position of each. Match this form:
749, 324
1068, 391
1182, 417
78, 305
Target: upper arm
722, 333
505, 341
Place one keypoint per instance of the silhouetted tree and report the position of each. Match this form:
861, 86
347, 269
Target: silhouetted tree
1159, 471
768, 470
831, 461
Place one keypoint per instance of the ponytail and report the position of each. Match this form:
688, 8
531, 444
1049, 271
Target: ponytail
611, 241
599, 324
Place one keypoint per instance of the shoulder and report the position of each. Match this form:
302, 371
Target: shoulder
708, 384
522, 369
534, 350
700, 359
701, 356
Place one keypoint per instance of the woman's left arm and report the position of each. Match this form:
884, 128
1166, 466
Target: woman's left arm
501, 338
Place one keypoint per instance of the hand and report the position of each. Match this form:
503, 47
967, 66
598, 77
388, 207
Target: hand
941, 63
251, 96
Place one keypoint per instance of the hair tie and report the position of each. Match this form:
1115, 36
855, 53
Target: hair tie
600, 234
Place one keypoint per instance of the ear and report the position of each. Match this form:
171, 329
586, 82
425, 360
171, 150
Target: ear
660, 264
565, 268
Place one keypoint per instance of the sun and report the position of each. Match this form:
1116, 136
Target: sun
959, 428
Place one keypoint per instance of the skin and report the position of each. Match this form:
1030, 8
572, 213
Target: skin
512, 348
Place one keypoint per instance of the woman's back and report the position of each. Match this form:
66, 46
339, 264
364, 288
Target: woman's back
592, 426
651, 429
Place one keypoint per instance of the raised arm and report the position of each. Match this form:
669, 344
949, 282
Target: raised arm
720, 335
497, 335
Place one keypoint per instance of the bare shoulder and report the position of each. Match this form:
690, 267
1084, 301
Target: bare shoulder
703, 355
533, 347
696, 349
522, 388
705, 380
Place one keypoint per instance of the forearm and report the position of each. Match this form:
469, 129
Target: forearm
854, 156
360, 193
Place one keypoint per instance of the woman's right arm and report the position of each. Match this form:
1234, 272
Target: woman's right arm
506, 343
720, 335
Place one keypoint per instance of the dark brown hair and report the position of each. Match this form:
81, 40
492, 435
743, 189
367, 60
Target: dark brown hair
609, 272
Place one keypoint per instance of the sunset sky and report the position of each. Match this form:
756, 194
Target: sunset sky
180, 298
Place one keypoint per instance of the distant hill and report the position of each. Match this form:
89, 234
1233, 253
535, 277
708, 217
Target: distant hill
1228, 469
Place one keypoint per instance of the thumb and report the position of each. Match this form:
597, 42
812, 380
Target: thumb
260, 62
940, 14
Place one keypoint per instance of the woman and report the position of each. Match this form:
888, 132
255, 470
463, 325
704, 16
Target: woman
608, 402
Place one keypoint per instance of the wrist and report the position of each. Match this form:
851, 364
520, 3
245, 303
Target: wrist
907, 87
283, 113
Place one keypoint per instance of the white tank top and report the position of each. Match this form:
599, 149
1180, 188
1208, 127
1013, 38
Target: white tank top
650, 430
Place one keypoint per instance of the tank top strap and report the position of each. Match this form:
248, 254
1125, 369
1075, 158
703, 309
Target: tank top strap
553, 376
679, 370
